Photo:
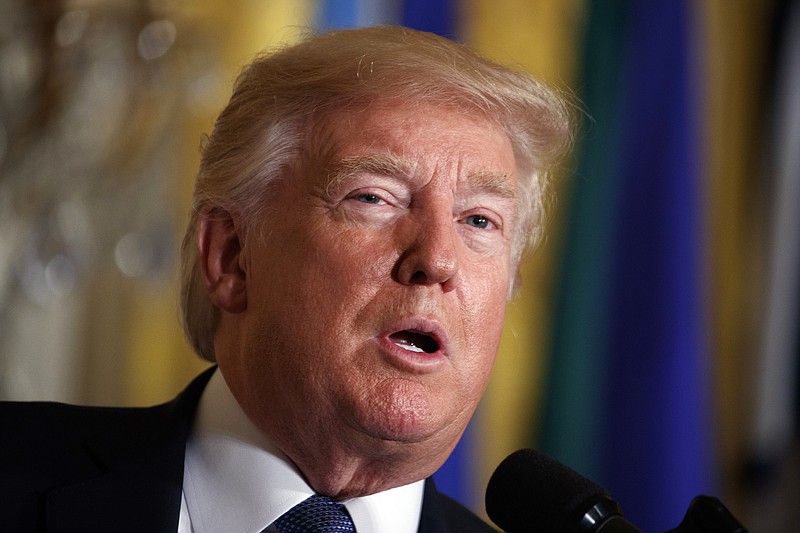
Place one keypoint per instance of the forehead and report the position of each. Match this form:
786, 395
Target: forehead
388, 137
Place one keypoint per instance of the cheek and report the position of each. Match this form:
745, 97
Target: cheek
483, 300
483, 311
350, 253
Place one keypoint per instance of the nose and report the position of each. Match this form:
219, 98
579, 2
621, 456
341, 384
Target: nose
431, 258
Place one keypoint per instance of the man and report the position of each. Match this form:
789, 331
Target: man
359, 216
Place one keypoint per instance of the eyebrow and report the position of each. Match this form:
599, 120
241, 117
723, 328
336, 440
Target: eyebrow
349, 167
495, 185
490, 183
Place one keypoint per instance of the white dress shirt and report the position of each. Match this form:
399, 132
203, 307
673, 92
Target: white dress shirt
235, 481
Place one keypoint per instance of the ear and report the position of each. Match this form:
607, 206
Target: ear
220, 253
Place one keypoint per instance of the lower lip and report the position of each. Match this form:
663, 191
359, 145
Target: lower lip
411, 361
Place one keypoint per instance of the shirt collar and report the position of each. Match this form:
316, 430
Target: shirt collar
236, 480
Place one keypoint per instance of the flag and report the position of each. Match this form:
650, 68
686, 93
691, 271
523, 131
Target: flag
629, 400
342, 14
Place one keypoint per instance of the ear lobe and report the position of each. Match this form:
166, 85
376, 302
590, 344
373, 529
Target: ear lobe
219, 250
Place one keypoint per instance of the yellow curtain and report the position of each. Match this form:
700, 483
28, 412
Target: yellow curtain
158, 361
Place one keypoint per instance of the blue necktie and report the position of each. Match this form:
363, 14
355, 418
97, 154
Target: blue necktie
317, 514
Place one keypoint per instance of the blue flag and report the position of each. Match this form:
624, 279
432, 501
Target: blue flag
640, 424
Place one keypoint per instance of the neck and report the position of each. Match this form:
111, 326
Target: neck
341, 475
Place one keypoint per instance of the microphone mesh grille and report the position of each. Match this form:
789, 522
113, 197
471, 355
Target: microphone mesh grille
530, 491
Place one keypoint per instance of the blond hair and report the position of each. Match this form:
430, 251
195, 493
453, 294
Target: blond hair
280, 101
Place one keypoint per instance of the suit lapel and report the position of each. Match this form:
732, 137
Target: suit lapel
433, 519
441, 514
132, 478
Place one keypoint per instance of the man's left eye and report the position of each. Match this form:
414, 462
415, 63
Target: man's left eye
478, 221
369, 198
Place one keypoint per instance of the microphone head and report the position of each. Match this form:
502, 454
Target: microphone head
530, 491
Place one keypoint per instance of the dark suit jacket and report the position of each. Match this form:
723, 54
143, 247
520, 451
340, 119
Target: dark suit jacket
82, 469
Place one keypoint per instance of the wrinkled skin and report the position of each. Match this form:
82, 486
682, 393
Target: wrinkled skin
359, 333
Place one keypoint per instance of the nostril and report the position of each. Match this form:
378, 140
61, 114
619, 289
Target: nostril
419, 277
426, 266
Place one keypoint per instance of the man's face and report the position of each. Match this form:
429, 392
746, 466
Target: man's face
375, 299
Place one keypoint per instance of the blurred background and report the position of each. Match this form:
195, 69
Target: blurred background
654, 344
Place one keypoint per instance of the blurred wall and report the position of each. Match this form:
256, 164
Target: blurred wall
104, 105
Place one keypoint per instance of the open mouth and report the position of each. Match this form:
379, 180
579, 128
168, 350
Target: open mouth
414, 341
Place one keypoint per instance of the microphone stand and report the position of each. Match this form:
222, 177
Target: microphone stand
707, 514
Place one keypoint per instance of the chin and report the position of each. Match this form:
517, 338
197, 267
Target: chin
408, 415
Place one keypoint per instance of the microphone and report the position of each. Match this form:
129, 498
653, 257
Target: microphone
530, 491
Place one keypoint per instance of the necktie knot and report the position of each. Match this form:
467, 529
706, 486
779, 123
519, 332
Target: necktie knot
317, 514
